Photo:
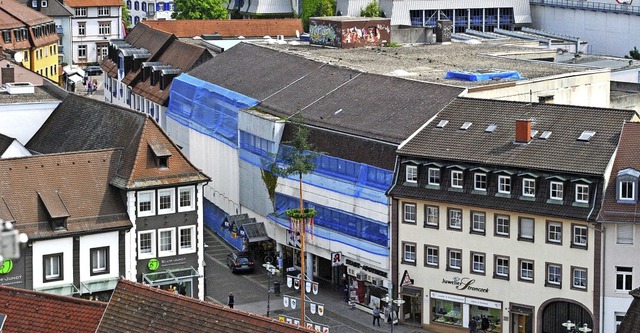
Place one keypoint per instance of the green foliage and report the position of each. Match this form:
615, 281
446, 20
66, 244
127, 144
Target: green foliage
635, 54
392, 44
299, 159
270, 181
372, 10
126, 15
200, 10
316, 8
306, 213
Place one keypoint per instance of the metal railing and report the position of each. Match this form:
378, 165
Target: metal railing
588, 5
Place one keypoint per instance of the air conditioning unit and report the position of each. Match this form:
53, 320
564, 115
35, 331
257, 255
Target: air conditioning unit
361, 276
351, 272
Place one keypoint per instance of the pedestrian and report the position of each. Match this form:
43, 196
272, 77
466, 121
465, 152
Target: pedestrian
346, 292
231, 300
473, 325
95, 85
484, 324
376, 315
89, 85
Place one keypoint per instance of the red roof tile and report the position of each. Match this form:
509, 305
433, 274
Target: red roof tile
135, 307
228, 28
92, 3
33, 311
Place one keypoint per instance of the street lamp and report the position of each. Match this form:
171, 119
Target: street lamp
390, 301
271, 270
571, 327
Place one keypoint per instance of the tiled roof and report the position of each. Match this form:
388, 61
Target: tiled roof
80, 123
72, 185
53, 9
627, 156
561, 152
93, 3
135, 307
631, 320
23, 13
153, 40
32, 311
228, 28
344, 100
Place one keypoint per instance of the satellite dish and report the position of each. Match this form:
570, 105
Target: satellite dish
18, 57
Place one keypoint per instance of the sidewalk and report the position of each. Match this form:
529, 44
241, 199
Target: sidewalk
338, 315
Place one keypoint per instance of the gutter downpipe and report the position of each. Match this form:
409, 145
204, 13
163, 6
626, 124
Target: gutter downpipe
602, 254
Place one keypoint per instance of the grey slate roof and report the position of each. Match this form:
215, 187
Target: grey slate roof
54, 8
561, 152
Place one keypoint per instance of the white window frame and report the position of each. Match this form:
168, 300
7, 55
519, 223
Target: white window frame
478, 264
409, 213
104, 28
528, 187
578, 237
152, 202
411, 174
632, 191
192, 234
432, 255
457, 179
554, 232
82, 51
500, 225
457, 222
582, 193
80, 11
409, 252
501, 267
104, 11
172, 200
103, 253
480, 181
192, 201
152, 245
477, 224
44, 3
554, 274
526, 269
504, 184
619, 318
454, 257
172, 250
434, 176
48, 263
626, 274
432, 219
556, 190
579, 274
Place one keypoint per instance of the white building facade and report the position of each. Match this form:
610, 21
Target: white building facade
92, 28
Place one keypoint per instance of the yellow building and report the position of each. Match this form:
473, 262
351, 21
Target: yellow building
32, 36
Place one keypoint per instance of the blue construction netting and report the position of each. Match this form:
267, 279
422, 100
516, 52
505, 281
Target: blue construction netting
478, 76
207, 108
213, 217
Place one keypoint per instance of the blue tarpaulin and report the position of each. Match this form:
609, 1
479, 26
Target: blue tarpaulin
477, 76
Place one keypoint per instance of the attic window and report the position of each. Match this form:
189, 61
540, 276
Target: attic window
442, 123
545, 135
56, 209
491, 128
533, 133
586, 136
161, 153
466, 125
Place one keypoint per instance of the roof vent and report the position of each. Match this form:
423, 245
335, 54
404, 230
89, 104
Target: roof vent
586, 136
523, 131
18, 88
442, 123
466, 125
545, 135
491, 128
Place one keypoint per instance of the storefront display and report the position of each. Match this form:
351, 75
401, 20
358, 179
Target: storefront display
456, 310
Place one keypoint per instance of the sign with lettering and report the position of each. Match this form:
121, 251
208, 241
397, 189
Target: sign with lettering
465, 283
365, 268
406, 279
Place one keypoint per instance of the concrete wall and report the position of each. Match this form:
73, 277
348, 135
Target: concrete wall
406, 34
625, 95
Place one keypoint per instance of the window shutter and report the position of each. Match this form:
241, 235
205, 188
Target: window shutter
167, 6
527, 228
157, 6
625, 233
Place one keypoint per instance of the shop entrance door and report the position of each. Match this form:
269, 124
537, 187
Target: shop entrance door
520, 323
412, 307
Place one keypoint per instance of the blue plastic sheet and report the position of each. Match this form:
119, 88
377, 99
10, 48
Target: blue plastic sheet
471, 76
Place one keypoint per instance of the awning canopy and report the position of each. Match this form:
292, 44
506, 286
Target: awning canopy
170, 276
75, 78
255, 232
62, 290
98, 285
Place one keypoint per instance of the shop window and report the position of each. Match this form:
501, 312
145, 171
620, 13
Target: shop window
409, 213
554, 232
502, 227
554, 275
432, 217
619, 318
409, 253
431, 256
454, 260
455, 219
579, 278
478, 222
447, 312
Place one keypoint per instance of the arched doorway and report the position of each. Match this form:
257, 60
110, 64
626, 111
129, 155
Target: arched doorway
558, 312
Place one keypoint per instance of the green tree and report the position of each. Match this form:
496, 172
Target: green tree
316, 8
126, 15
372, 10
635, 54
200, 10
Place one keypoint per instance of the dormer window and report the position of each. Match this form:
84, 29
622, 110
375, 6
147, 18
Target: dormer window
412, 174
56, 209
529, 187
504, 184
582, 193
480, 182
434, 176
161, 154
556, 192
627, 185
456, 178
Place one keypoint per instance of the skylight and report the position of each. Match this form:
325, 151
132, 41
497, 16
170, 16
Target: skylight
545, 135
533, 133
466, 125
586, 136
491, 128
442, 123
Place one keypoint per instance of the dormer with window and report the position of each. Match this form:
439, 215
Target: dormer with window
480, 180
504, 183
456, 178
410, 174
627, 185
582, 190
556, 189
56, 209
161, 154
528, 190
434, 175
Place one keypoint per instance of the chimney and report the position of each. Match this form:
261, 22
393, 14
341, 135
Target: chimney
8, 75
523, 131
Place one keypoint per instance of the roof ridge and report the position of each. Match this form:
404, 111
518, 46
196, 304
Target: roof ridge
70, 299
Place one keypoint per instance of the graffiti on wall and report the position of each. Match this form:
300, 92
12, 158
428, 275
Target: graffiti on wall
324, 34
364, 35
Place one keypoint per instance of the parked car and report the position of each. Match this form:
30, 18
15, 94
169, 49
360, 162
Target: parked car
240, 262
93, 70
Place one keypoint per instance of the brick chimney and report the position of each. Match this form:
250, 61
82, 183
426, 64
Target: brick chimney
7, 75
523, 131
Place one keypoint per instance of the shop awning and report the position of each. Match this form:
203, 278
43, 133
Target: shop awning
255, 232
75, 78
229, 220
62, 290
98, 285
170, 276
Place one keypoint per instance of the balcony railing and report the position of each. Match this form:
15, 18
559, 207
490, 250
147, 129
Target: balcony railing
588, 5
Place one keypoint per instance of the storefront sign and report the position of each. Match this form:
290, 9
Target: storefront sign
447, 297
466, 300
465, 284
485, 303
173, 261
365, 268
